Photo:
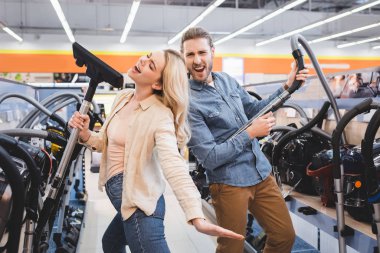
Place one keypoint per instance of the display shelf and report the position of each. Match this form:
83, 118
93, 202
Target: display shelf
363, 239
346, 103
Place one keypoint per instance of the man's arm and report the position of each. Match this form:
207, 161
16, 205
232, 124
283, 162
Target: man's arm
203, 145
253, 106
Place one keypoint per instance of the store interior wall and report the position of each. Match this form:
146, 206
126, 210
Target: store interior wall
238, 48
157, 24
260, 64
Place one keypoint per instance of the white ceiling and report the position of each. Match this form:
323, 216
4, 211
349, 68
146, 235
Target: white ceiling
164, 18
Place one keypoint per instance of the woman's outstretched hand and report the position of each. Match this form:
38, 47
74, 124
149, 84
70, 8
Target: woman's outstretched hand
203, 226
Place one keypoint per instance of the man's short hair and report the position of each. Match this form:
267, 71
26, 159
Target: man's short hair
196, 33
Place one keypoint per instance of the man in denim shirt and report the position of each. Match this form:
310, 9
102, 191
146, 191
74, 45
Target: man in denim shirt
237, 171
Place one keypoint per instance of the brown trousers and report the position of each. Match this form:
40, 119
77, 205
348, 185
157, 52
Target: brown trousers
267, 205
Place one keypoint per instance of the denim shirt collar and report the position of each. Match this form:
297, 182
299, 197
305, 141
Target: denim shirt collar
197, 85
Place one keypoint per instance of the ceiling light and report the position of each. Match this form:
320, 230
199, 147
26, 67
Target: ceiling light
345, 33
107, 29
61, 16
319, 23
358, 42
261, 20
376, 47
10, 32
131, 17
198, 19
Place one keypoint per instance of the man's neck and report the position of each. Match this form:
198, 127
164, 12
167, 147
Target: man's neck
209, 79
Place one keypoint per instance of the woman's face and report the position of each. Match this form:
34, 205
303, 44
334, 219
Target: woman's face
148, 69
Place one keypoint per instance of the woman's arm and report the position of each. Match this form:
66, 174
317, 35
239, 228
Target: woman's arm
90, 139
175, 169
177, 174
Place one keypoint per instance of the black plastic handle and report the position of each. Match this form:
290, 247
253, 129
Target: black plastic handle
298, 57
96, 68
254, 94
56, 138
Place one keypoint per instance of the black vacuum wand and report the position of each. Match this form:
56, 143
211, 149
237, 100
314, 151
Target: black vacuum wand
99, 72
300, 39
280, 99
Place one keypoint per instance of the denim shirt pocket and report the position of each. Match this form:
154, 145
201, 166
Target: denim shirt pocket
214, 112
236, 99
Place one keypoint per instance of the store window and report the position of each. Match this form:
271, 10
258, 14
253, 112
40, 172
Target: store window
234, 66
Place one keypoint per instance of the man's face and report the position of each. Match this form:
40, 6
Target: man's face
199, 59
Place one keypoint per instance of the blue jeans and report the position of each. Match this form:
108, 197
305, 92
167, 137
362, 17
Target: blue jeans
142, 233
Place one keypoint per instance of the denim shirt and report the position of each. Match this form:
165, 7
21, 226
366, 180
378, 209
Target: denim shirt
215, 114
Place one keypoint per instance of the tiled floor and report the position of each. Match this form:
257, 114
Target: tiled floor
181, 237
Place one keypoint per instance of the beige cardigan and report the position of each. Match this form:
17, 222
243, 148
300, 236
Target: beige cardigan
150, 151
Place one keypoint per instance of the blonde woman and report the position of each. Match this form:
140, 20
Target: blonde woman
139, 143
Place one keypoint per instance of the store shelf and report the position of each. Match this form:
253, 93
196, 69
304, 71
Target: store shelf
346, 103
363, 239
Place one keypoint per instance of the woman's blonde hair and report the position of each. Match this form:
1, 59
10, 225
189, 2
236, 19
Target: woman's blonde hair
176, 93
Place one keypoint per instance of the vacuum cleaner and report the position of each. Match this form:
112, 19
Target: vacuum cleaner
98, 71
371, 174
